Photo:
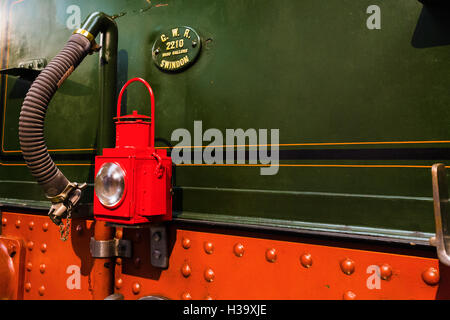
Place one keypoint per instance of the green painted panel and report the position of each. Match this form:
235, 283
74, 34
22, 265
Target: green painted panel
310, 68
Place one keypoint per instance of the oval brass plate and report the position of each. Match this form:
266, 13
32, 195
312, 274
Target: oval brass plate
176, 48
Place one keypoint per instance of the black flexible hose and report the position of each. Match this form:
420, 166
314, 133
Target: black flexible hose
32, 114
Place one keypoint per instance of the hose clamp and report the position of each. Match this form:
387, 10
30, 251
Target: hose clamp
64, 194
85, 33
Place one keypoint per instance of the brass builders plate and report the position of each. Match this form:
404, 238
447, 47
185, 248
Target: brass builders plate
176, 48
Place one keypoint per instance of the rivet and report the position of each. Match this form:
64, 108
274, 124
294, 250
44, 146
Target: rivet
348, 266
431, 276
186, 243
306, 260
271, 255
119, 261
45, 226
137, 262
30, 245
42, 268
41, 290
186, 296
186, 270
136, 288
27, 287
209, 247
119, 234
79, 229
239, 249
43, 247
18, 222
208, 298
31, 225
349, 295
209, 275
4, 221
29, 266
385, 271
119, 283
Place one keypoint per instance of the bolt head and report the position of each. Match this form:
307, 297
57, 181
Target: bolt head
157, 236
239, 249
209, 247
186, 243
29, 266
348, 266
431, 276
306, 260
27, 286
30, 245
119, 283
186, 296
41, 290
45, 226
136, 288
44, 247
31, 225
385, 271
18, 223
271, 255
349, 295
156, 254
209, 275
186, 270
42, 268
4, 221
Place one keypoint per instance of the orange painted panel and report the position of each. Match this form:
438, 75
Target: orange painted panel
52, 269
219, 266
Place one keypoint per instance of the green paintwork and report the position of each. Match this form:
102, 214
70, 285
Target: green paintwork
310, 68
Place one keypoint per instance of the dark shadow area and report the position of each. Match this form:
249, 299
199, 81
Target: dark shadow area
345, 154
433, 26
81, 234
443, 292
122, 77
20, 89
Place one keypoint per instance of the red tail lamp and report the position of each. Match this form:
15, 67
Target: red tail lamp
133, 180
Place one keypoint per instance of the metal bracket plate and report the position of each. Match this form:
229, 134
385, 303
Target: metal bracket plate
110, 248
159, 248
441, 212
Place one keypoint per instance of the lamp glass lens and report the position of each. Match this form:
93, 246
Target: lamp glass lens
109, 184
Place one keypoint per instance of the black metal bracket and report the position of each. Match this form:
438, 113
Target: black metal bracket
27, 70
159, 247
110, 248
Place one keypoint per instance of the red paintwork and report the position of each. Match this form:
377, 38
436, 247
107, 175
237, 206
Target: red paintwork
147, 196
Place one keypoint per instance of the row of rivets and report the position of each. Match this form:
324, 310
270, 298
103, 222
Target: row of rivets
41, 289
208, 274
31, 224
42, 267
135, 287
